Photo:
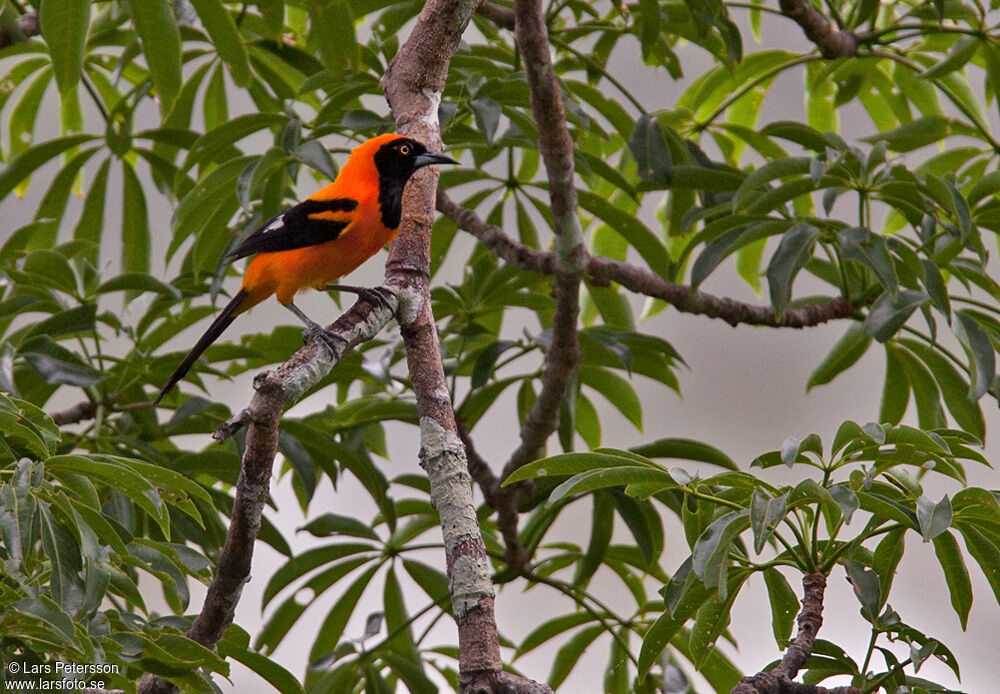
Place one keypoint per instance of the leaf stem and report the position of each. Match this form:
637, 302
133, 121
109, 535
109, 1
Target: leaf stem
556, 41
89, 86
763, 77
979, 125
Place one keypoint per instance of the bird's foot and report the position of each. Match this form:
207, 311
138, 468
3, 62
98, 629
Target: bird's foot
331, 341
375, 295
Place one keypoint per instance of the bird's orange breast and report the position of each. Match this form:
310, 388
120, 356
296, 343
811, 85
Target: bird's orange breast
285, 273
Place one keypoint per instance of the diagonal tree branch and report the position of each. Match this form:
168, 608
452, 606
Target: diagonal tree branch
413, 84
832, 41
810, 619
274, 390
602, 271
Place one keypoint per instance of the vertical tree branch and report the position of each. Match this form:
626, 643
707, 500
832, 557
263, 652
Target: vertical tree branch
563, 354
556, 147
413, 84
810, 619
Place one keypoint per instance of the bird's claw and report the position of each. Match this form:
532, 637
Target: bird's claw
333, 342
373, 295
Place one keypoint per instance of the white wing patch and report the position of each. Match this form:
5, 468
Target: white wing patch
275, 225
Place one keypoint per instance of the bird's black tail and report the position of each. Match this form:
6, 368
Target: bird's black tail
221, 322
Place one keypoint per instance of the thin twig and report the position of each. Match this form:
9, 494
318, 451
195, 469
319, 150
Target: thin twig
602, 271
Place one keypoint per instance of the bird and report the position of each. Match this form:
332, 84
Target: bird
322, 238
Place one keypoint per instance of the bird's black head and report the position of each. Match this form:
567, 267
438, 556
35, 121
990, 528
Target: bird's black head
396, 161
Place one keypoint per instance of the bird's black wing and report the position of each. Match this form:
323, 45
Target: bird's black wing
296, 227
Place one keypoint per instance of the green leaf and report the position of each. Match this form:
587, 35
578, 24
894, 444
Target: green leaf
955, 575
30, 159
333, 29
887, 315
986, 554
138, 282
953, 385
885, 560
611, 477
913, 135
849, 348
686, 449
896, 391
64, 26
961, 52
117, 476
709, 557
601, 528
334, 524
784, 605
135, 224
161, 44
300, 564
51, 269
217, 142
91, 222
572, 464
766, 512
866, 589
934, 518
616, 389
864, 247
225, 38
628, 225
550, 629
979, 347
57, 365
278, 677
315, 155
50, 613
792, 254
712, 619
396, 618
570, 653
648, 145
333, 626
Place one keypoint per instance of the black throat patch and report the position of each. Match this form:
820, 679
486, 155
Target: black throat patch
394, 170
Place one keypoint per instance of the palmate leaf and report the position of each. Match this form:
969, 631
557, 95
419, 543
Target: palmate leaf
845, 353
64, 26
156, 27
225, 37
956, 575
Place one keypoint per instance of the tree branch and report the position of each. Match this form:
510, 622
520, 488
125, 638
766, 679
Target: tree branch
503, 17
563, 354
602, 271
810, 619
274, 390
413, 84
77, 413
832, 41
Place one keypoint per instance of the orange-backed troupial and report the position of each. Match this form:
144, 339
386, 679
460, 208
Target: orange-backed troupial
324, 237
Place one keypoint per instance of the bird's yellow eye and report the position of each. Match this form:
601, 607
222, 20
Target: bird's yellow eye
404, 149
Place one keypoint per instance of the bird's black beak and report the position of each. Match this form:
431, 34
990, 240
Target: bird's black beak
428, 158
